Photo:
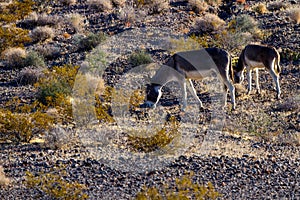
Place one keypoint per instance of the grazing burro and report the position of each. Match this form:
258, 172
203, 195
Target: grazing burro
255, 57
183, 67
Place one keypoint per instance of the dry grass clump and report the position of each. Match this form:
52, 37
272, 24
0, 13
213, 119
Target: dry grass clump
43, 19
277, 5
158, 6
30, 75
14, 57
199, 6
77, 21
102, 5
48, 51
60, 138
260, 8
3, 179
41, 33
128, 14
208, 24
17, 57
48, 20
294, 15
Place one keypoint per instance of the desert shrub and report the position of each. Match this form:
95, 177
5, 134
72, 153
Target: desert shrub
21, 122
158, 6
34, 59
56, 84
240, 31
139, 58
102, 5
54, 185
90, 100
19, 58
14, 57
234, 36
91, 41
3, 179
77, 21
10, 34
16, 10
60, 137
48, 51
209, 23
184, 44
184, 188
277, 5
48, 20
243, 23
154, 6
289, 54
54, 90
30, 75
41, 33
260, 8
95, 62
159, 140
294, 15
199, 6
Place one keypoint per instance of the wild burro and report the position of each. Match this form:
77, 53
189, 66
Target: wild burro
255, 57
183, 67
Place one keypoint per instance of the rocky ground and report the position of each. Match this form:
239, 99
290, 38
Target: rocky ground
245, 162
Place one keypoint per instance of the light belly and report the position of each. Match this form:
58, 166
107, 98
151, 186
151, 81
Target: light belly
254, 64
198, 74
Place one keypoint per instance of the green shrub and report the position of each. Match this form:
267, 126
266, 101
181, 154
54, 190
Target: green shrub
184, 189
289, 54
21, 123
10, 34
56, 85
139, 58
34, 59
55, 186
91, 41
